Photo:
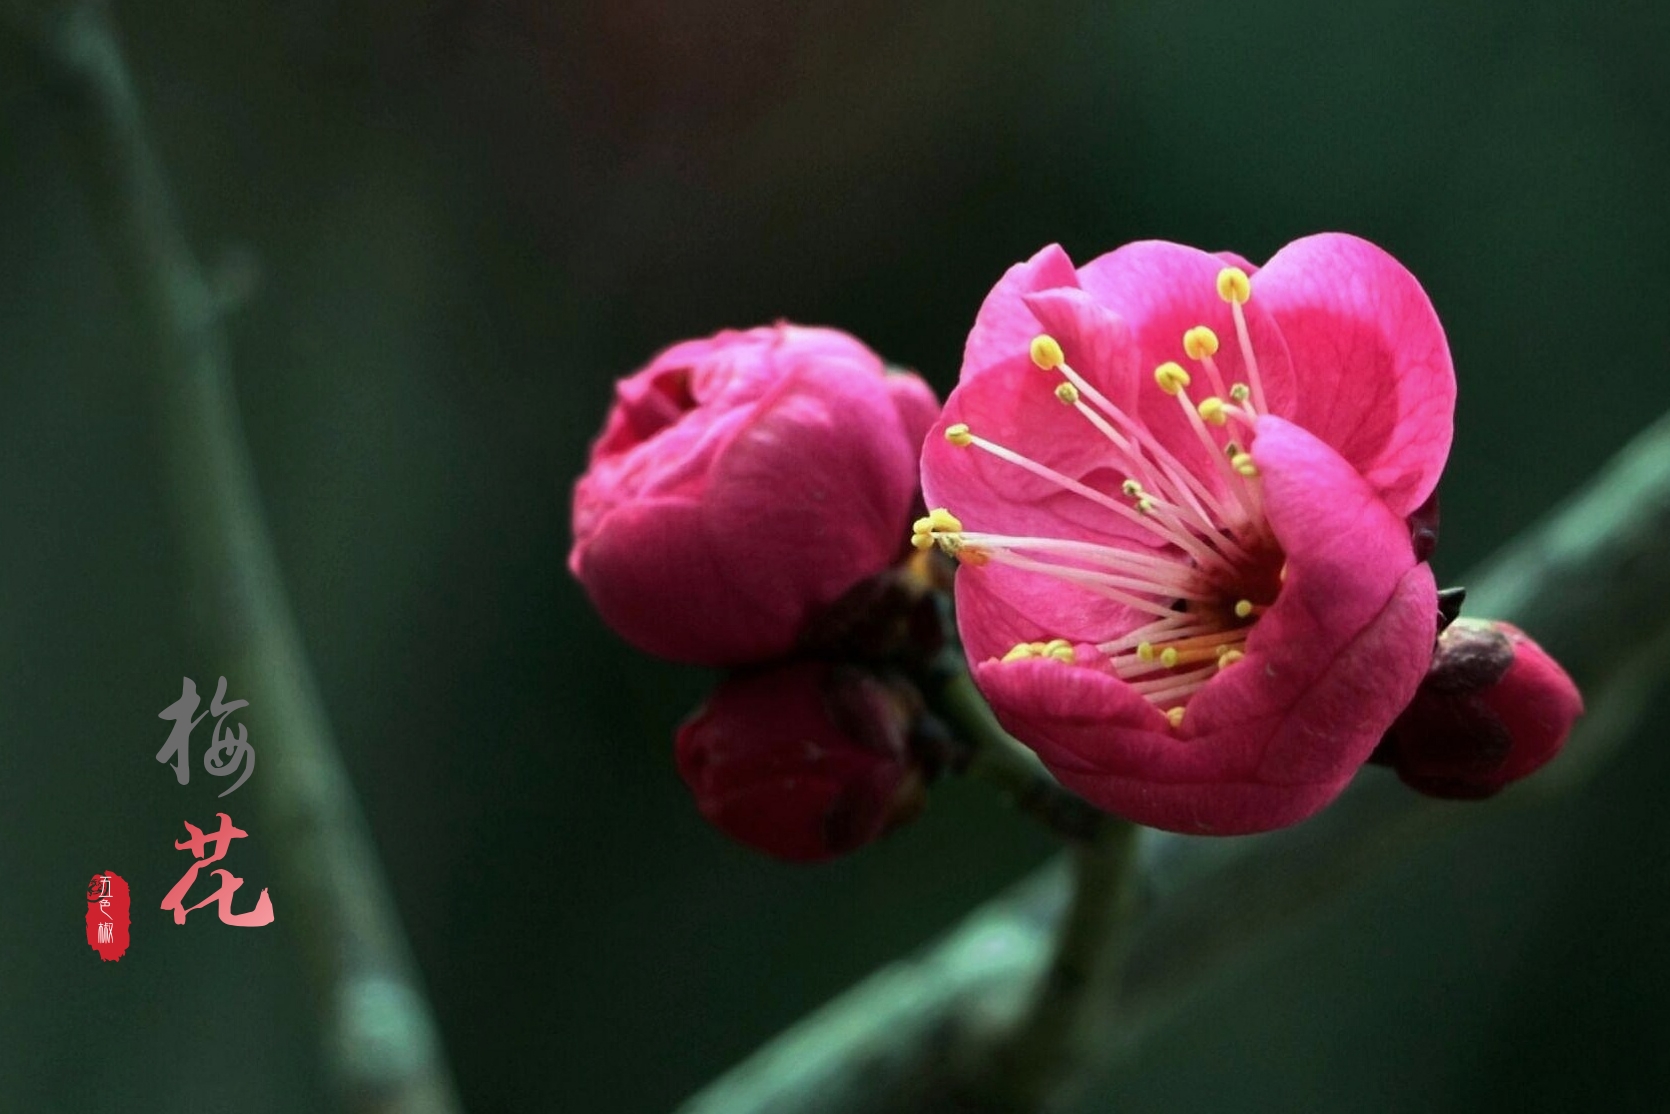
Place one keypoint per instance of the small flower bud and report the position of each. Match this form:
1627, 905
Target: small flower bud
806, 760
742, 484
1493, 708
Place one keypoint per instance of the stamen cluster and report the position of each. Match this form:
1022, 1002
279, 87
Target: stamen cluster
1186, 579
1211, 539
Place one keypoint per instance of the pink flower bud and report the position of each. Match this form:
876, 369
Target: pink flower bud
804, 761
743, 483
1493, 708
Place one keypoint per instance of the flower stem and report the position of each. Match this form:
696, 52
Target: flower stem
382, 1046
1072, 1003
1592, 582
1022, 1066
997, 758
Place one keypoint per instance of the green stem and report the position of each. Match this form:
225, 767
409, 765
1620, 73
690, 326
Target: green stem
1073, 1002
995, 757
382, 1050
1592, 583
1037, 1051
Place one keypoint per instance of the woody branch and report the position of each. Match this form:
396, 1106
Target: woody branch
1592, 581
382, 1050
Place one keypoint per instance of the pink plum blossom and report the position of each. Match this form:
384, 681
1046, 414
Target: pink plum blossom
1179, 487
742, 483
1493, 708
804, 760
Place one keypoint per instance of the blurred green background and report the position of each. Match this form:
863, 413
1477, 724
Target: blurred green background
457, 222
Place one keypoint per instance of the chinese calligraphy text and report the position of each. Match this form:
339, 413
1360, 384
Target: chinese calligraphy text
227, 750
197, 843
107, 915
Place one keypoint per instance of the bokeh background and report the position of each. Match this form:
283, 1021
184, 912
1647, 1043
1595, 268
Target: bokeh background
450, 225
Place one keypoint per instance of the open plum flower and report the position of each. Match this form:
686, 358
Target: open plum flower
1179, 488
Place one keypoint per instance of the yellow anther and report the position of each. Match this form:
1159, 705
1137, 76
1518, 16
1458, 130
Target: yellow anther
1229, 658
1131, 488
938, 527
1145, 651
1168, 658
1026, 651
941, 519
1066, 393
1212, 409
1171, 377
1046, 352
1243, 463
1145, 505
1174, 716
959, 435
1234, 285
1243, 608
1200, 342
1240, 392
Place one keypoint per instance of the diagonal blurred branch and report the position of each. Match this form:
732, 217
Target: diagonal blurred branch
1591, 583
382, 1045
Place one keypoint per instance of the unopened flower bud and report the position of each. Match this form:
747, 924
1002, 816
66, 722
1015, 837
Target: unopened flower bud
1493, 708
742, 484
806, 760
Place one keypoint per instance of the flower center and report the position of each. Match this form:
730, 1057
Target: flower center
1216, 567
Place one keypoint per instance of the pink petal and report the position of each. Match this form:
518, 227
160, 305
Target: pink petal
1542, 704
1373, 367
1004, 327
1078, 718
808, 492
836, 450
1014, 405
1000, 607
678, 465
1163, 290
1348, 554
656, 577
1279, 734
1236, 259
1104, 352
